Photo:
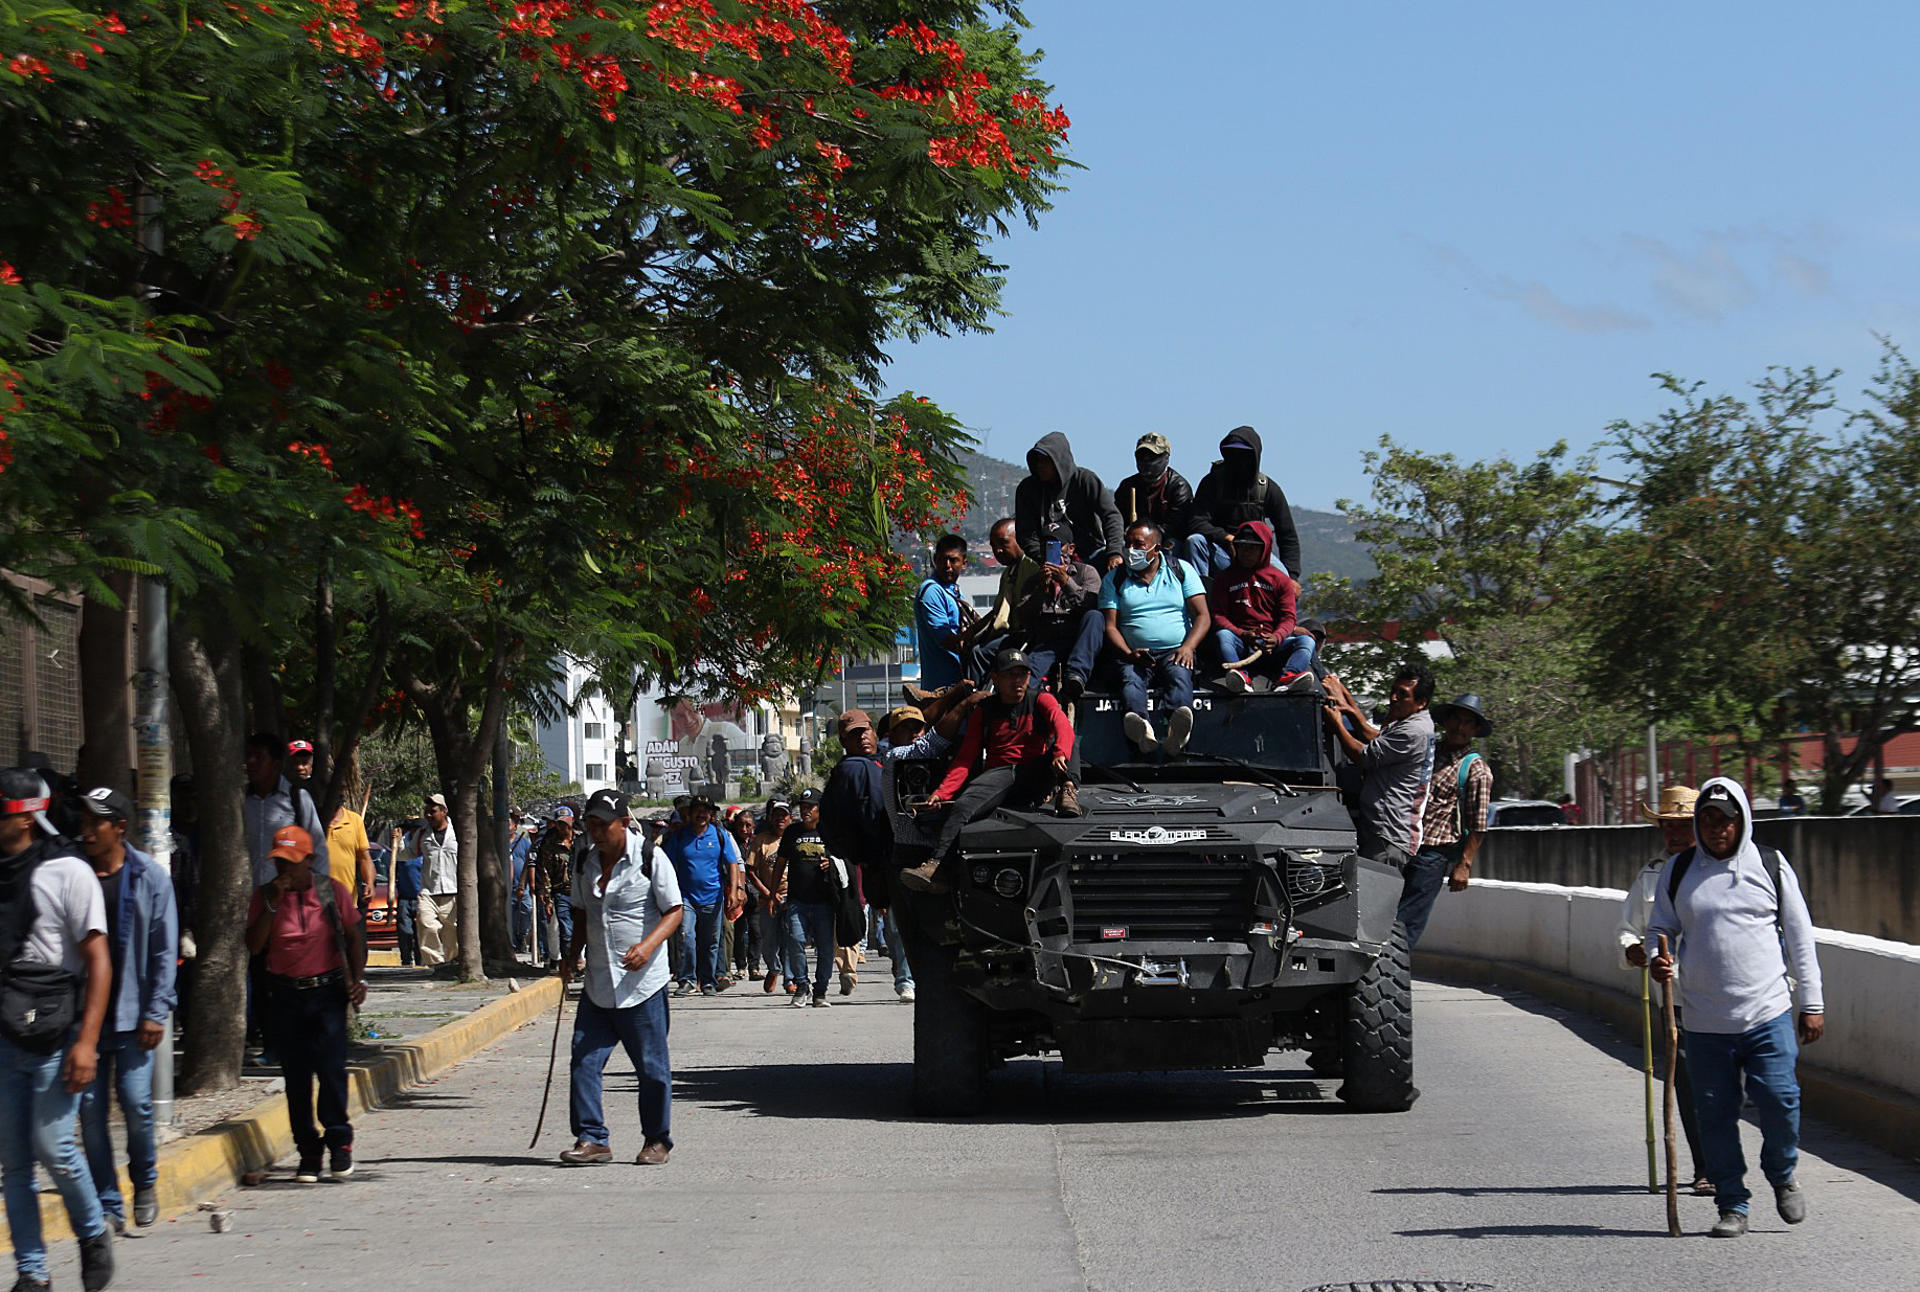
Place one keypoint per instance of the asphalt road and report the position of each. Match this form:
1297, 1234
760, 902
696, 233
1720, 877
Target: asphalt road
798, 1164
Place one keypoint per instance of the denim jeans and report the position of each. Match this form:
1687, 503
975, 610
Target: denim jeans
406, 913
773, 942
125, 1074
1766, 1055
36, 1122
811, 920
1080, 642
641, 1030
563, 917
700, 946
1294, 656
897, 953
1208, 557
522, 920
1422, 878
1171, 683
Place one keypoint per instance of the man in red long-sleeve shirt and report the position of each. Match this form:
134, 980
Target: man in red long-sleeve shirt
1028, 744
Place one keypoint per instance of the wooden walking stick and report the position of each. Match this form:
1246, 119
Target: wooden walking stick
1673, 1057
1646, 1038
553, 1056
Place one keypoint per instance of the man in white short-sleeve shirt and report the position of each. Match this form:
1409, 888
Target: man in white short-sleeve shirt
626, 905
42, 1077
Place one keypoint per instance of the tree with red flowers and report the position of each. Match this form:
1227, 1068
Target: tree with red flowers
511, 331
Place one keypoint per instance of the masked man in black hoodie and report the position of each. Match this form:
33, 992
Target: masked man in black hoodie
1156, 492
1232, 493
1059, 502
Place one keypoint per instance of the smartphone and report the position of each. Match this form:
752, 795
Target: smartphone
1053, 553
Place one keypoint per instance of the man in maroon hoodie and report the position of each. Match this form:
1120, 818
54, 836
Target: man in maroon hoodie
1029, 753
1252, 603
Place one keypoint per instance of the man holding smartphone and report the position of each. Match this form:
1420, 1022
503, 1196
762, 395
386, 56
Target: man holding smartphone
1061, 620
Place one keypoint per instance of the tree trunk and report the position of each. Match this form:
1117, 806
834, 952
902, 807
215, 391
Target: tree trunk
266, 711
208, 689
325, 667
105, 673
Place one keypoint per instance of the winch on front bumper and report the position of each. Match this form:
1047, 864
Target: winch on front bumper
1205, 929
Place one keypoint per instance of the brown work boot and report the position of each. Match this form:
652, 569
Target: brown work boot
925, 877
654, 1154
1066, 800
586, 1153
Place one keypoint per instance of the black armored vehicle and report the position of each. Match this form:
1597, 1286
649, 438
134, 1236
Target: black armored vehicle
1208, 907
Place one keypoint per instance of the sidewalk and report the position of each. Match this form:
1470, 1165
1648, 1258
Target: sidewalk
414, 1026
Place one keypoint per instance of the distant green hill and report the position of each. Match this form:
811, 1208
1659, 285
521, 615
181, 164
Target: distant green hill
1327, 544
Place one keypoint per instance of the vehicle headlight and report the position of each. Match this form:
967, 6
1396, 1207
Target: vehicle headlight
1311, 873
1009, 883
982, 875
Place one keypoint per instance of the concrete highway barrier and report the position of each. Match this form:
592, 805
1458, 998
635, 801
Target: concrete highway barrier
1558, 943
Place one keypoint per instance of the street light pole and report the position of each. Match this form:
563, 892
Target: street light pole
153, 744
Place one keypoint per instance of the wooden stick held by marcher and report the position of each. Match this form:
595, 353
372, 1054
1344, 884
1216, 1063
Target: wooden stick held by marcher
1673, 1056
1646, 1039
1248, 662
553, 1056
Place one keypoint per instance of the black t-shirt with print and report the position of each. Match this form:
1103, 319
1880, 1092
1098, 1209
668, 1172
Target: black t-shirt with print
803, 850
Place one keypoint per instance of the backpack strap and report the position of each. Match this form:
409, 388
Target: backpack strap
323, 889
1675, 873
1460, 794
1771, 859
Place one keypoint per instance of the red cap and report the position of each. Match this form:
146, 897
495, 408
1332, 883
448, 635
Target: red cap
299, 747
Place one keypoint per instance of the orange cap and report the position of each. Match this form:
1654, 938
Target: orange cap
291, 843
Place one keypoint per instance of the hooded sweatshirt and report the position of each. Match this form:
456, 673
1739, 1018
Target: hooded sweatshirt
1076, 507
1232, 494
1248, 601
1733, 971
1166, 499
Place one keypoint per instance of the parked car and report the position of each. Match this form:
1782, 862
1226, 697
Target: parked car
1524, 812
1909, 806
382, 925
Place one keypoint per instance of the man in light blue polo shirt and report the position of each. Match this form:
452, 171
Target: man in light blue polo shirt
626, 904
1156, 610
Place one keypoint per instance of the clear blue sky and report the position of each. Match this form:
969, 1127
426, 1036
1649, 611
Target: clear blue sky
1477, 228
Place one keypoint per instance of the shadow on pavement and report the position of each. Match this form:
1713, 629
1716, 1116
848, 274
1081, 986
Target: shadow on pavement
1842, 1149
1537, 1231
1568, 1190
1023, 1091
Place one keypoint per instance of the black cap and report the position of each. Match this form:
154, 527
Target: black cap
807, 798
605, 805
1718, 797
111, 804
1313, 626
1009, 659
705, 801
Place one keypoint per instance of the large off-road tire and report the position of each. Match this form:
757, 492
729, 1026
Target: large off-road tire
949, 1037
1376, 1041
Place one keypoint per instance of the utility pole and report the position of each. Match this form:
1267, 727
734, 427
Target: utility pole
1653, 763
154, 749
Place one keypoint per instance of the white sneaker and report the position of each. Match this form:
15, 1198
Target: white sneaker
906, 994
1140, 732
1179, 727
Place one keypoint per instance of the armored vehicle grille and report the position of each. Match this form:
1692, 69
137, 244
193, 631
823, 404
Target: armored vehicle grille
1161, 897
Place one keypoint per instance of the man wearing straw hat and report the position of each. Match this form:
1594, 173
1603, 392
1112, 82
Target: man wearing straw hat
1454, 820
1674, 816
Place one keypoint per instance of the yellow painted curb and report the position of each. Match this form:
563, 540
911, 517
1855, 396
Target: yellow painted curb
209, 1163
1883, 1117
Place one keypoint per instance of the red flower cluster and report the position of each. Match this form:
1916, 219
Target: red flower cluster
172, 403
26, 67
9, 275
318, 452
10, 385
337, 27
114, 213
246, 225
383, 508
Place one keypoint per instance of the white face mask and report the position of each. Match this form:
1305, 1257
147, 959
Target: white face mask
1139, 559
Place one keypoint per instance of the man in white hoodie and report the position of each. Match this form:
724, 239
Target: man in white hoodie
1736, 917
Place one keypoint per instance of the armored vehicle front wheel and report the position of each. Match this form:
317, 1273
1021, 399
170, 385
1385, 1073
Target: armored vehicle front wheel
1376, 1034
949, 1038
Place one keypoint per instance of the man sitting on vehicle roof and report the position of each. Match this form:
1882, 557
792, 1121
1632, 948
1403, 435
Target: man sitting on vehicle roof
1028, 744
1156, 612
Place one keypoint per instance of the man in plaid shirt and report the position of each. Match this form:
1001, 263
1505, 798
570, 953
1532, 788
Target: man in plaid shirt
1455, 819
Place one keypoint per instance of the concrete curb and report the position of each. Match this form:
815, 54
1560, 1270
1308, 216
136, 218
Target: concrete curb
209, 1163
1883, 1117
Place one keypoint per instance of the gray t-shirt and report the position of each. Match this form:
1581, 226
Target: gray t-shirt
1398, 764
66, 907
